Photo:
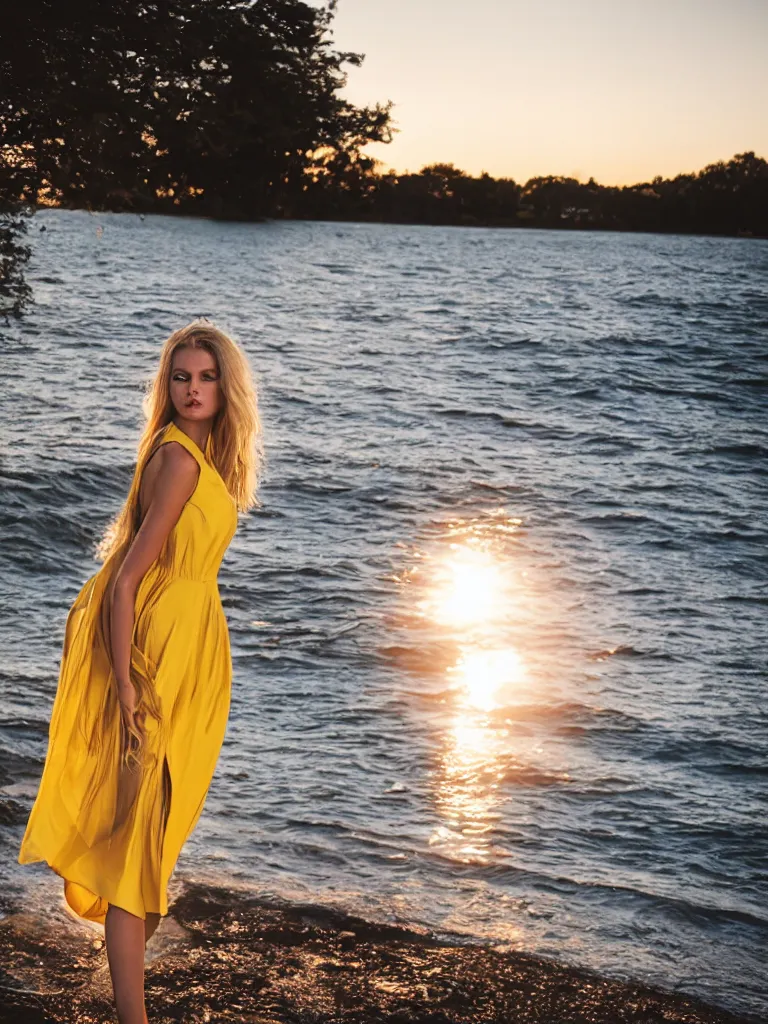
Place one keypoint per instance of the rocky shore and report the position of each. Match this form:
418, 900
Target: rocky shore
221, 957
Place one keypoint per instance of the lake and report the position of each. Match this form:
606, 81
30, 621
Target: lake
499, 631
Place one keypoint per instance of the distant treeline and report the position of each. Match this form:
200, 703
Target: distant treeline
724, 198
231, 109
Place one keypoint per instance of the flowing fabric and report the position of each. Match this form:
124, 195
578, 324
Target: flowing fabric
114, 834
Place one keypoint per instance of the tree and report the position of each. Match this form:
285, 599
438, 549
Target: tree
210, 106
14, 290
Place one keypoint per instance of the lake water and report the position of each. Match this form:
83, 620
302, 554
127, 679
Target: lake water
499, 632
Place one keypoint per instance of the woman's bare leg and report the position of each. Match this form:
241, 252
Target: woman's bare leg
151, 923
124, 936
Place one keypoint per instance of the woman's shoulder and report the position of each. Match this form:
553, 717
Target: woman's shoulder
171, 464
176, 457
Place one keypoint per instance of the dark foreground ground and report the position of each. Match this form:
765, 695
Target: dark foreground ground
219, 956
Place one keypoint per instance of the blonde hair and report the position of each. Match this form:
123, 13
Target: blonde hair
237, 453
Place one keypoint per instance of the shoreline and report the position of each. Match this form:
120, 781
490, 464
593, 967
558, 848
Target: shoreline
569, 228
222, 956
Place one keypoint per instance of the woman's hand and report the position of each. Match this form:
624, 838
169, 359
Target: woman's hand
126, 693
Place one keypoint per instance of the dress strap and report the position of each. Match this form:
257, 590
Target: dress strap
174, 433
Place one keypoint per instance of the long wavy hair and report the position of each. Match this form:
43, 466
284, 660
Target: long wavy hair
237, 453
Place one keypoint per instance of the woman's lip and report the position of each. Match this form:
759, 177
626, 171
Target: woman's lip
194, 403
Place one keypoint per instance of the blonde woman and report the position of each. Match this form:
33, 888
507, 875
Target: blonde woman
144, 684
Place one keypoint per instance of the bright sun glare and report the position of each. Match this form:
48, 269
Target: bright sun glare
468, 588
473, 592
487, 673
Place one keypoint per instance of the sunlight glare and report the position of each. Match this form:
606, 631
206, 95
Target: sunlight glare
470, 588
486, 673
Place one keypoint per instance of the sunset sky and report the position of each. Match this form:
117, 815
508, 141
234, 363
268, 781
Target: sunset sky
612, 89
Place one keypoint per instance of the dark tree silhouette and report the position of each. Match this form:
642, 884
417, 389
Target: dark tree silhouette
216, 107
724, 198
14, 290
200, 106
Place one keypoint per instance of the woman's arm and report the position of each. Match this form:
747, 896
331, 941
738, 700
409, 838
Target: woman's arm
175, 481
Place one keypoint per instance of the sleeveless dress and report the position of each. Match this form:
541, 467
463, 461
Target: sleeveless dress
115, 835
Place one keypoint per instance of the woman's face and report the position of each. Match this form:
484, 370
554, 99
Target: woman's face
195, 384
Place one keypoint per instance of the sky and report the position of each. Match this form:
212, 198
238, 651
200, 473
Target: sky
611, 89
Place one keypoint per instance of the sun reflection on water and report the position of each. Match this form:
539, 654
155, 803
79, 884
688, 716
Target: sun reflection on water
468, 588
470, 591
486, 675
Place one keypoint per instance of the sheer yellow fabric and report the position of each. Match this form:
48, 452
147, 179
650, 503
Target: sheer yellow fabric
114, 835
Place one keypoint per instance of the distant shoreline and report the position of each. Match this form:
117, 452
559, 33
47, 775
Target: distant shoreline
569, 228
723, 200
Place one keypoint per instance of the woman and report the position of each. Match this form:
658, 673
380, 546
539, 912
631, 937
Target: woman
144, 684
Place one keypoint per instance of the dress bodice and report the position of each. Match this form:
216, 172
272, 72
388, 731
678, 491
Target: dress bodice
208, 521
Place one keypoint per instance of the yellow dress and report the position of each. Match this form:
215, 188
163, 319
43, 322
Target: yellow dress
117, 841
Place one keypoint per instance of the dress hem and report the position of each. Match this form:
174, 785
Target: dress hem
95, 916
